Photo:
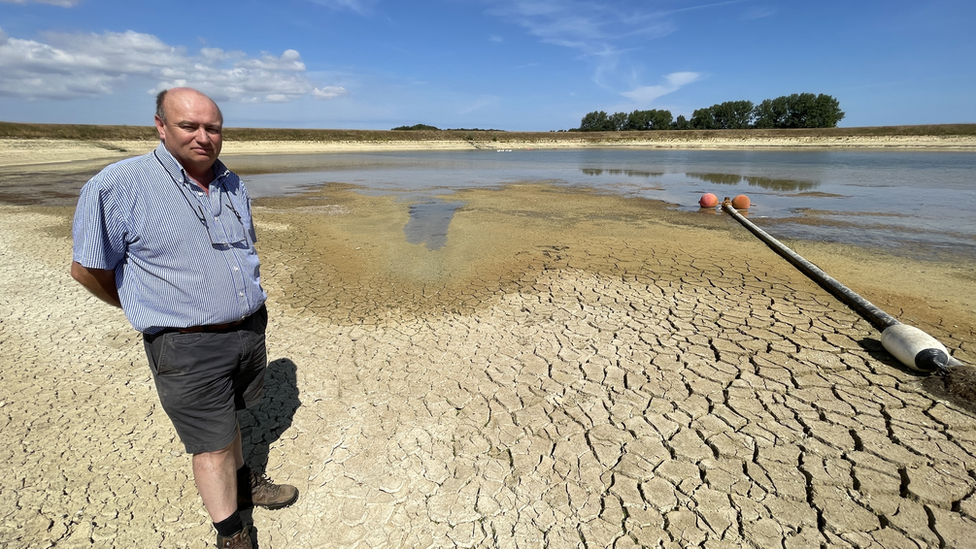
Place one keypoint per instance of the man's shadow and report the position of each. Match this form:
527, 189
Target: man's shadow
262, 425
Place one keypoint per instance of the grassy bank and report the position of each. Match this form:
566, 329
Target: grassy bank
87, 132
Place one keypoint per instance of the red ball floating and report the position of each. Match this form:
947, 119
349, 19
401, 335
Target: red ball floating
741, 202
708, 200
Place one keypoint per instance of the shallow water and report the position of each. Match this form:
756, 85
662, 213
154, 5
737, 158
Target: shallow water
911, 203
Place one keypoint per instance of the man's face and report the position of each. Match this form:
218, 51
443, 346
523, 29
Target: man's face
191, 130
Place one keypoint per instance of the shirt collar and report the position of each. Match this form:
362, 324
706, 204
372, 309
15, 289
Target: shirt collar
175, 169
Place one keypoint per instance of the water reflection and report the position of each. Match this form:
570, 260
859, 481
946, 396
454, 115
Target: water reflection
928, 187
429, 222
778, 184
628, 173
719, 178
781, 184
773, 184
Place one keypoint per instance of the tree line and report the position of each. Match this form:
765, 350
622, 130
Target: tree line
422, 127
800, 110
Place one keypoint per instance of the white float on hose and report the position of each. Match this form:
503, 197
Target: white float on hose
911, 346
916, 349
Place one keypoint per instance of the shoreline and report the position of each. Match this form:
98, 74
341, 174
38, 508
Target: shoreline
50, 171
58, 153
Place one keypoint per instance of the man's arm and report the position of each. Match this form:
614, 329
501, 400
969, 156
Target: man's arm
100, 282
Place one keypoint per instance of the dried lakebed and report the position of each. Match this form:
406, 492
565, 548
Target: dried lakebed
553, 375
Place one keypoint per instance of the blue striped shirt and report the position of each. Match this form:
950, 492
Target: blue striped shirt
181, 257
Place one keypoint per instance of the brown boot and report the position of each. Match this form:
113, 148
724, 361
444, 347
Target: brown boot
265, 493
240, 540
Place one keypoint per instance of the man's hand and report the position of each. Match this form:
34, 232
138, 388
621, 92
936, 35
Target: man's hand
100, 282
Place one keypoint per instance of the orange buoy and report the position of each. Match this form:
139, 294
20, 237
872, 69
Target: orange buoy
708, 200
741, 202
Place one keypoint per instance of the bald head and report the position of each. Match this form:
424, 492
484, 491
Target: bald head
190, 125
176, 93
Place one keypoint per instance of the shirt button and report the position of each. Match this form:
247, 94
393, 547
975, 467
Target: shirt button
240, 294
236, 269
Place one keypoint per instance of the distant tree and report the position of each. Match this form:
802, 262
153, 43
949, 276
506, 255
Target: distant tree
703, 119
648, 120
416, 127
732, 115
800, 110
618, 121
661, 119
638, 121
596, 121
826, 112
799, 107
771, 113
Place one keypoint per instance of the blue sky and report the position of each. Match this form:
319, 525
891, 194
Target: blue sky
520, 65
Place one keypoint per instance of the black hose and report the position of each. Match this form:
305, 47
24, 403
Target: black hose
865, 308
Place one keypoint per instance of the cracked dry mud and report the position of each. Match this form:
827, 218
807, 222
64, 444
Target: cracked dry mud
570, 370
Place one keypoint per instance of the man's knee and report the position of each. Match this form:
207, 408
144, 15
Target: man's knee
216, 455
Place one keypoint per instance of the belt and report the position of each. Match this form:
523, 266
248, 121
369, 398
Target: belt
211, 327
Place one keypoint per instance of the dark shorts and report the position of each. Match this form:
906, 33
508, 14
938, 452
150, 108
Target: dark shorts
204, 378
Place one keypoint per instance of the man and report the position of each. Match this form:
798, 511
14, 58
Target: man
168, 237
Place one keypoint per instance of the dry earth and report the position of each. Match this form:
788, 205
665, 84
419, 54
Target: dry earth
569, 370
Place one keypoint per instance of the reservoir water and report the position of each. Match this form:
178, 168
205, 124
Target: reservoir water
912, 203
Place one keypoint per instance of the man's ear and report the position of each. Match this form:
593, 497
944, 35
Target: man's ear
160, 127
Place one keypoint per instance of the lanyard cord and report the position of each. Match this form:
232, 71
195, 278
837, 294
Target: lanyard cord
198, 212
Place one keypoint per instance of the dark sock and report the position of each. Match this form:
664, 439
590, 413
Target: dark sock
230, 525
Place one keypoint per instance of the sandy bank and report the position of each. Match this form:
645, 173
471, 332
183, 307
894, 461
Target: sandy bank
54, 152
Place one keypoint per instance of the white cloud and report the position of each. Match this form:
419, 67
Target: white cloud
612, 36
645, 95
329, 92
290, 61
590, 27
606, 33
62, 3
757, 12
362, 7
68, 66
